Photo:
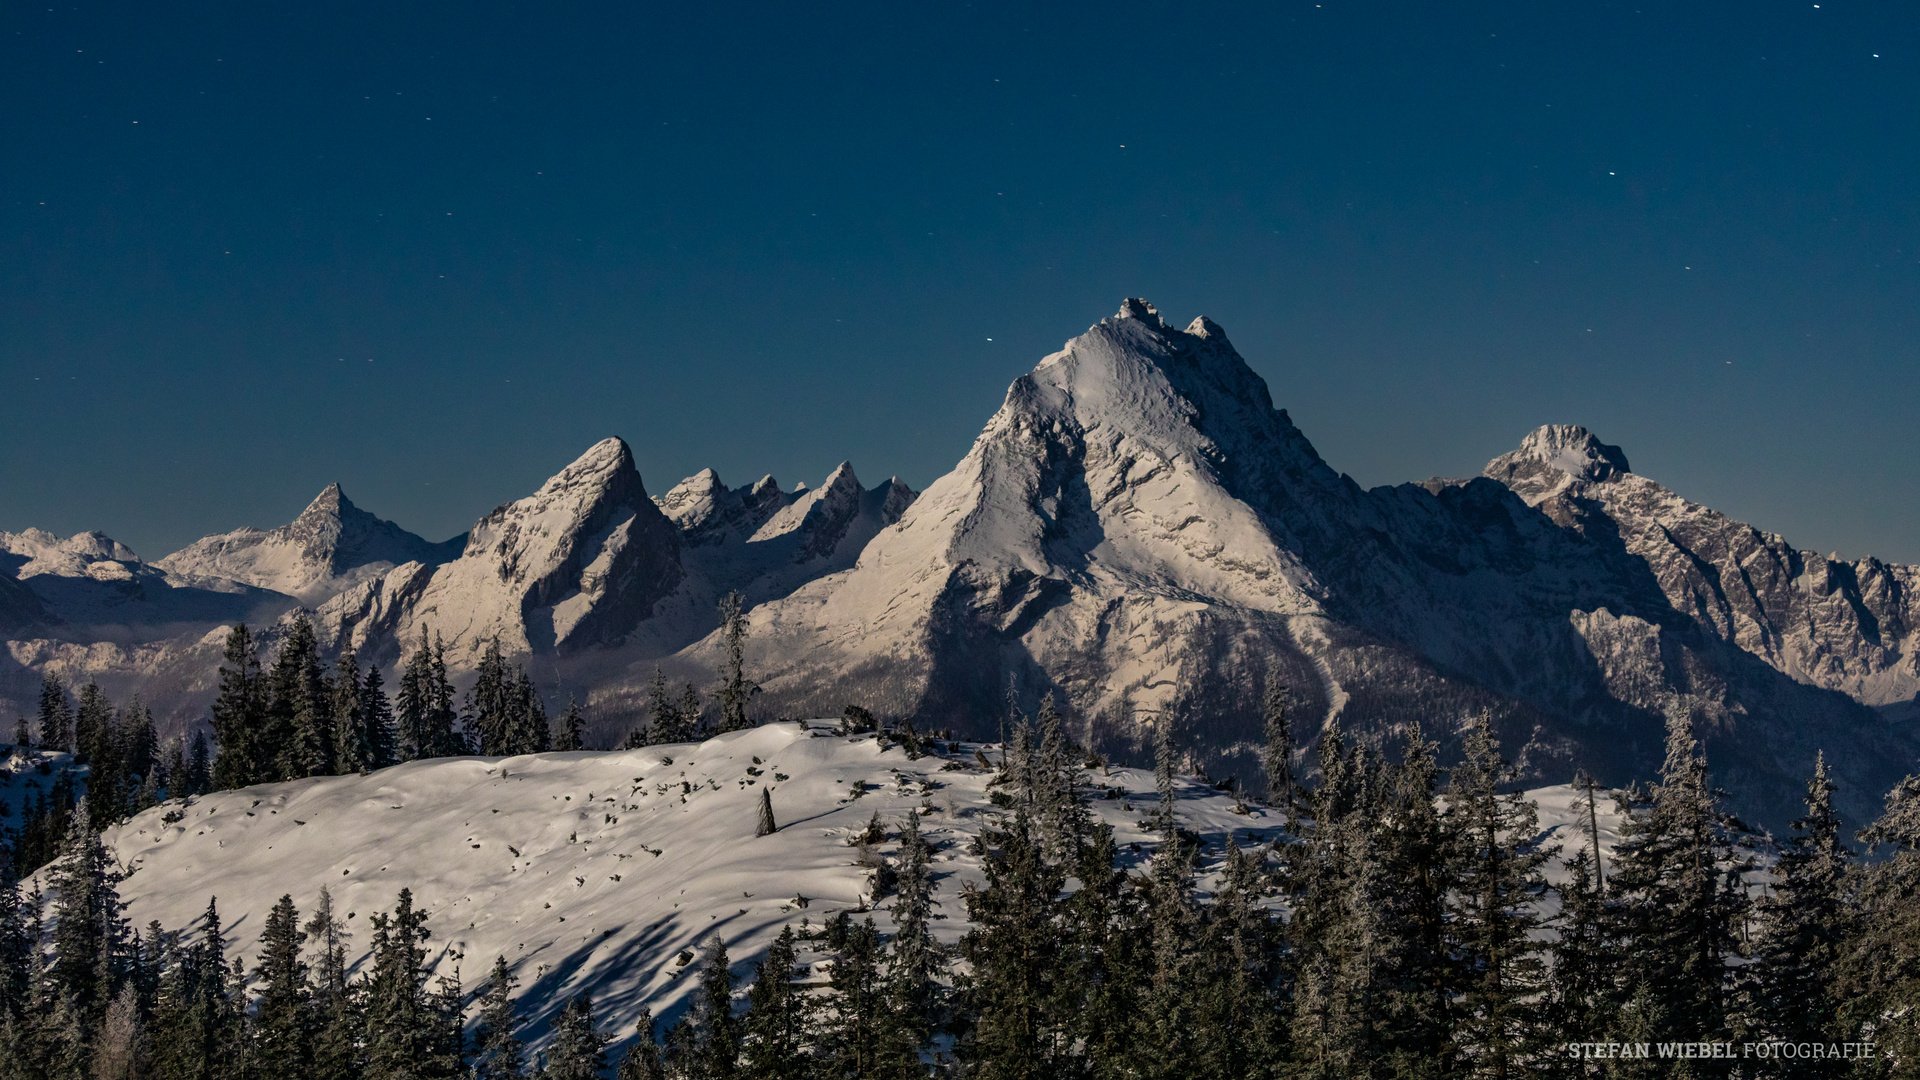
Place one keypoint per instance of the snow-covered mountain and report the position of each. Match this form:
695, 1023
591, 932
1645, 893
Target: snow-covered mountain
96, 588
330, 547
599, 871
578, 563
1140, 529
1137, 528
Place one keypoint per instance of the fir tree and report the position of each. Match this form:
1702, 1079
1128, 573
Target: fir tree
914, 961
1168, 1019
442, 737
664, 724
1494, 896
573, 727
1583, 994
489, 703
22, 734
642, 1059
735, 688
860, 1035
56, 715
497, 1048
716, 1033
578, 1050
299, 737
778, 1024
692, 722
283, 1024
528, 731
1023, 1023
1670, 874
1276, 755
239, 716
120, 1046
353, 750
92, 724
1805, 926
377, 716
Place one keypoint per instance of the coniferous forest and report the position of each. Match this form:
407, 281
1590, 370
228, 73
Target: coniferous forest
1404, 926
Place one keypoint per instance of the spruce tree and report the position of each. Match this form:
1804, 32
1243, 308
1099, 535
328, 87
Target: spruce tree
642, 1059
1276, 754
377, 715
239, 716
1671, 874
735, 688
914, 960
716, 1033
56, 715
22, 734
92, 724
441, 715
1879, 974
200, 765
89, 934
1805, 925
353, 750
1494, 895
663, 716
1023, 1022
497, 1050
283, 1022
528, 731
1168, 1019
578, 1050
1584, 994
337, 1020
401, 1025
573, 727
860, 1035
1240, 1008
1055, 774
692, 721
778, 1027
299, 738
489, 703
415, 703
1104, 959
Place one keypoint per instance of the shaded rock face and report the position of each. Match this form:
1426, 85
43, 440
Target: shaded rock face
332, 546
1141, 531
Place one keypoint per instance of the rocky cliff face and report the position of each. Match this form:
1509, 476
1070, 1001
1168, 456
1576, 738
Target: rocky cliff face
332, 546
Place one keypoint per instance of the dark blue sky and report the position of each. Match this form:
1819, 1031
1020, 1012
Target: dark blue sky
433, 251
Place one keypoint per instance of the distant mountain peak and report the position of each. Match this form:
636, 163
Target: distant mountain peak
1553, 456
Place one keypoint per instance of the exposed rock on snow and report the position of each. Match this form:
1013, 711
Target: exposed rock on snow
332, 546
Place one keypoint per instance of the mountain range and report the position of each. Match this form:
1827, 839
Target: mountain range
1137, 530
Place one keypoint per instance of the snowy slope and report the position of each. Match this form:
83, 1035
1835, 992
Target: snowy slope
331, 546
595, 871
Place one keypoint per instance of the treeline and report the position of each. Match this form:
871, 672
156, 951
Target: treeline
1403, 926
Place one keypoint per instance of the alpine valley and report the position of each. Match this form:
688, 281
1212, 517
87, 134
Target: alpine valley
1137, 530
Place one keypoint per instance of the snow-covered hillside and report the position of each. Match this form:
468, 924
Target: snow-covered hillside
599, 870
92, 587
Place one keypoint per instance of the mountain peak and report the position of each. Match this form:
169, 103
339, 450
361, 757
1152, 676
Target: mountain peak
1134, 307
331, 502
1553, 456
1573, 450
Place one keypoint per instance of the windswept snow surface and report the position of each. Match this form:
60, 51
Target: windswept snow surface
595, 871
